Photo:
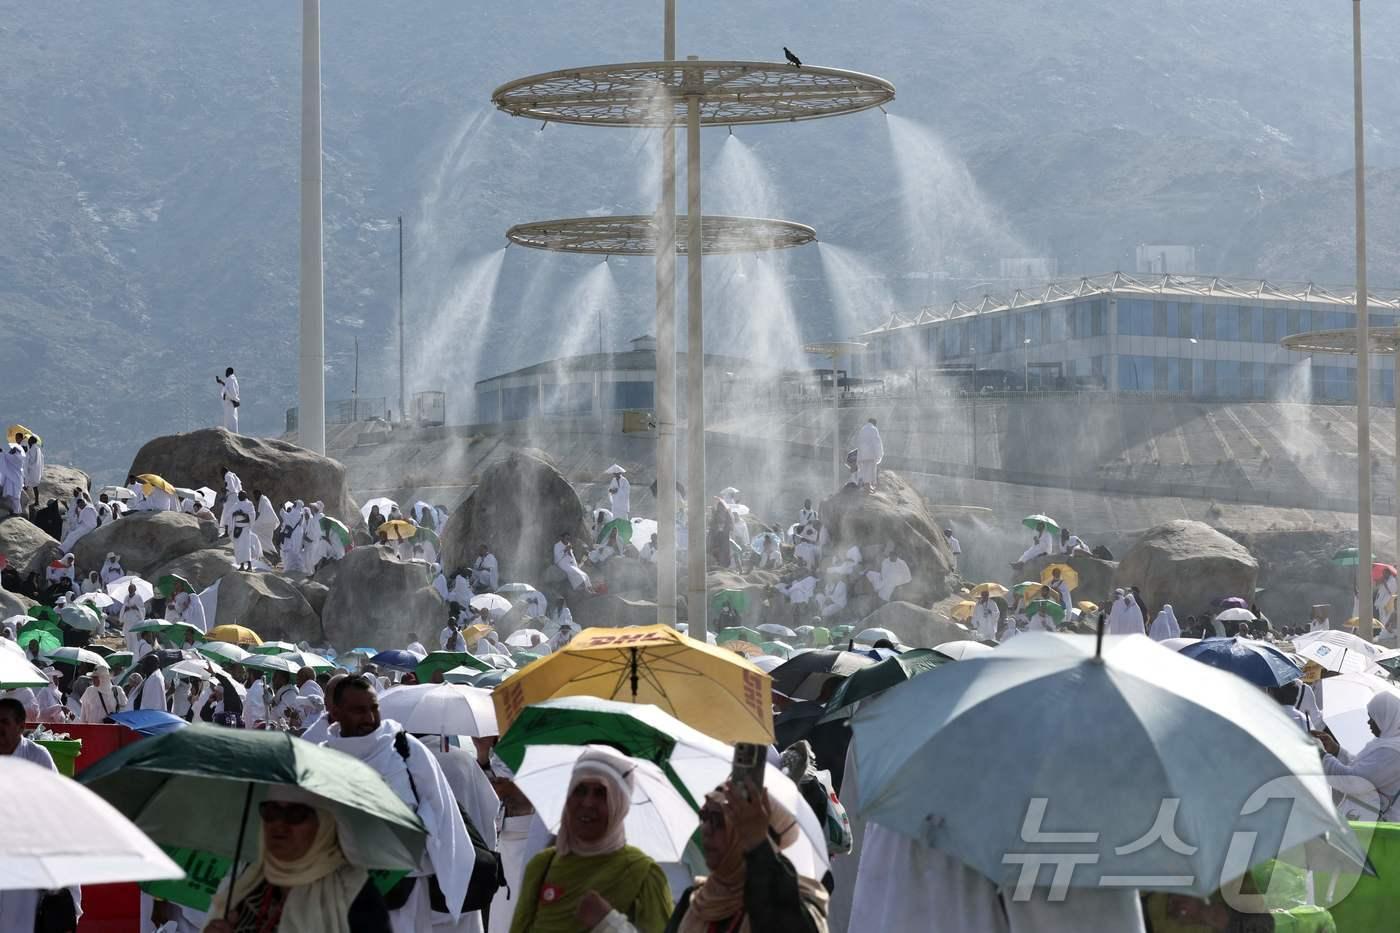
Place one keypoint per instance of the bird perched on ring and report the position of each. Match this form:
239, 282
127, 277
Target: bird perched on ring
796, 62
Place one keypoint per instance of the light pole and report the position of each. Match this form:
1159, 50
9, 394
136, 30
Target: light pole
696, 606
1363, 346
403, 394
311, 417
1192, 369
666, 356
1026, 363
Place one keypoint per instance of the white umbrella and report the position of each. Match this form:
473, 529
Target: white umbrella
1236, 615
205, 669
96, 600
660, 822
516, 589
118, 587
441, 709
962, 650
17, 672
271, 663
871, 635
525, 638
1160, 723
779, 631
107, 847
385, 507
116, 493
1342, 652
613, 469
461, 675
497, 606
1176, 644
642, 530
206, 496
1343, 699
767, 662
77, 656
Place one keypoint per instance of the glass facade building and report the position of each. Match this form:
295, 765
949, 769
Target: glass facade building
1189, 335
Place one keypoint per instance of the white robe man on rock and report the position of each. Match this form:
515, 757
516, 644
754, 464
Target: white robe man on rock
870, 451
34, 466
85, 520
620, 492
228, 394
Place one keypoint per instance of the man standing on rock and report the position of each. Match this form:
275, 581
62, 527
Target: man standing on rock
870, 450
620, 492
241, 518
986, 616
232, 486
33, 466
228, 392
485, 571
12, 478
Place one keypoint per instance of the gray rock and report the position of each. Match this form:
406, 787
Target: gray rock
144, 540
13, 604
58, 482
519, 509
630, 577
26, 547
378, 600
608, 611
200, 567
269, 604
1187, 564
316, 594
897, 514
280, 470
916, 626
1095, 576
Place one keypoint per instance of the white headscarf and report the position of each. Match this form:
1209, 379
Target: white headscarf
1165, 625
1384, 708
614, 770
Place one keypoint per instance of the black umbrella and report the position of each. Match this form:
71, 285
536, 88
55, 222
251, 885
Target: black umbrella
805, 676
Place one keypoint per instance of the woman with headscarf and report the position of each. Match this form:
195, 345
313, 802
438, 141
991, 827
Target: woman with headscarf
1378, 764
751, 887
300, 881
99, 701
1165, 625
591, 872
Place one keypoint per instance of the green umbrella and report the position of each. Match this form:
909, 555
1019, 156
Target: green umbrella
44, 613
738, 600
1048, 606
172, 583
159, 626
738, 633
175, 635
447, 660
639, 730
273, 647
119, 660
428, 536
777, 649
271, 663
196, 787
336, 529
223, 652
841, 632
525, 658
1030, 521
869, 681
77, 656
1348, 557
308, 659
42, 632
622, 526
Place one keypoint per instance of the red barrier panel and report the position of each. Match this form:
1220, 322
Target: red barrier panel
110, 908
99, 740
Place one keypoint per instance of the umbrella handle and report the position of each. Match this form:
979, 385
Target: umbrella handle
635, 677
238, 851
1098, 643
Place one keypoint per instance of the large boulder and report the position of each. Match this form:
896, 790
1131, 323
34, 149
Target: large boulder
897, 515
13, 604
630, 577
316, 594
916, 626
519, 509
26, 547
1095, 576
1187, 564
200, 567
377, 599
1296, 572
58, 482
144, 540
269, 604
280, 470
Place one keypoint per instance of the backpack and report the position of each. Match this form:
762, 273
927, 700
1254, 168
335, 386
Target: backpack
488, 873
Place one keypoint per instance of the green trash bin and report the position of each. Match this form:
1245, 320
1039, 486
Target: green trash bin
65, 753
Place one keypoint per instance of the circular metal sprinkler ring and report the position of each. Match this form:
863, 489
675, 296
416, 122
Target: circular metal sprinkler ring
654, 93
635, 235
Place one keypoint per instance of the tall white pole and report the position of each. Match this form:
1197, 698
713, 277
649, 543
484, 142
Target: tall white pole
695, 601
403, 393
1363, 350
835, 428
311, 414
666, 355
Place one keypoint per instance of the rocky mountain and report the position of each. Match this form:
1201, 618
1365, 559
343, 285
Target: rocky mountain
149, 161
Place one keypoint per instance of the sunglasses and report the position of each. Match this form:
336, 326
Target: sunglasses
290, 814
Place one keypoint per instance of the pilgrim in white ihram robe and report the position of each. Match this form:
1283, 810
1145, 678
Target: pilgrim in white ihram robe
86, 521
265, 525
870, 450
564, 559
985, 619
1042, 543
228, 394
893, 573
34, 468
12, 477
1125, 618
833, 599
241, 519
1165, 625
620, 496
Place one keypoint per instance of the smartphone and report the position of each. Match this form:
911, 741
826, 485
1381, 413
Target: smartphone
750, 761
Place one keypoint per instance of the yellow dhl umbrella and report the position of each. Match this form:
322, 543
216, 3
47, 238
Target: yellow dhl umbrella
15, 430
704, 686
234, 635
151, 481
1067, 573
963, 610
398, 530
1086, 606
995, 589
472, 633
1375, 624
